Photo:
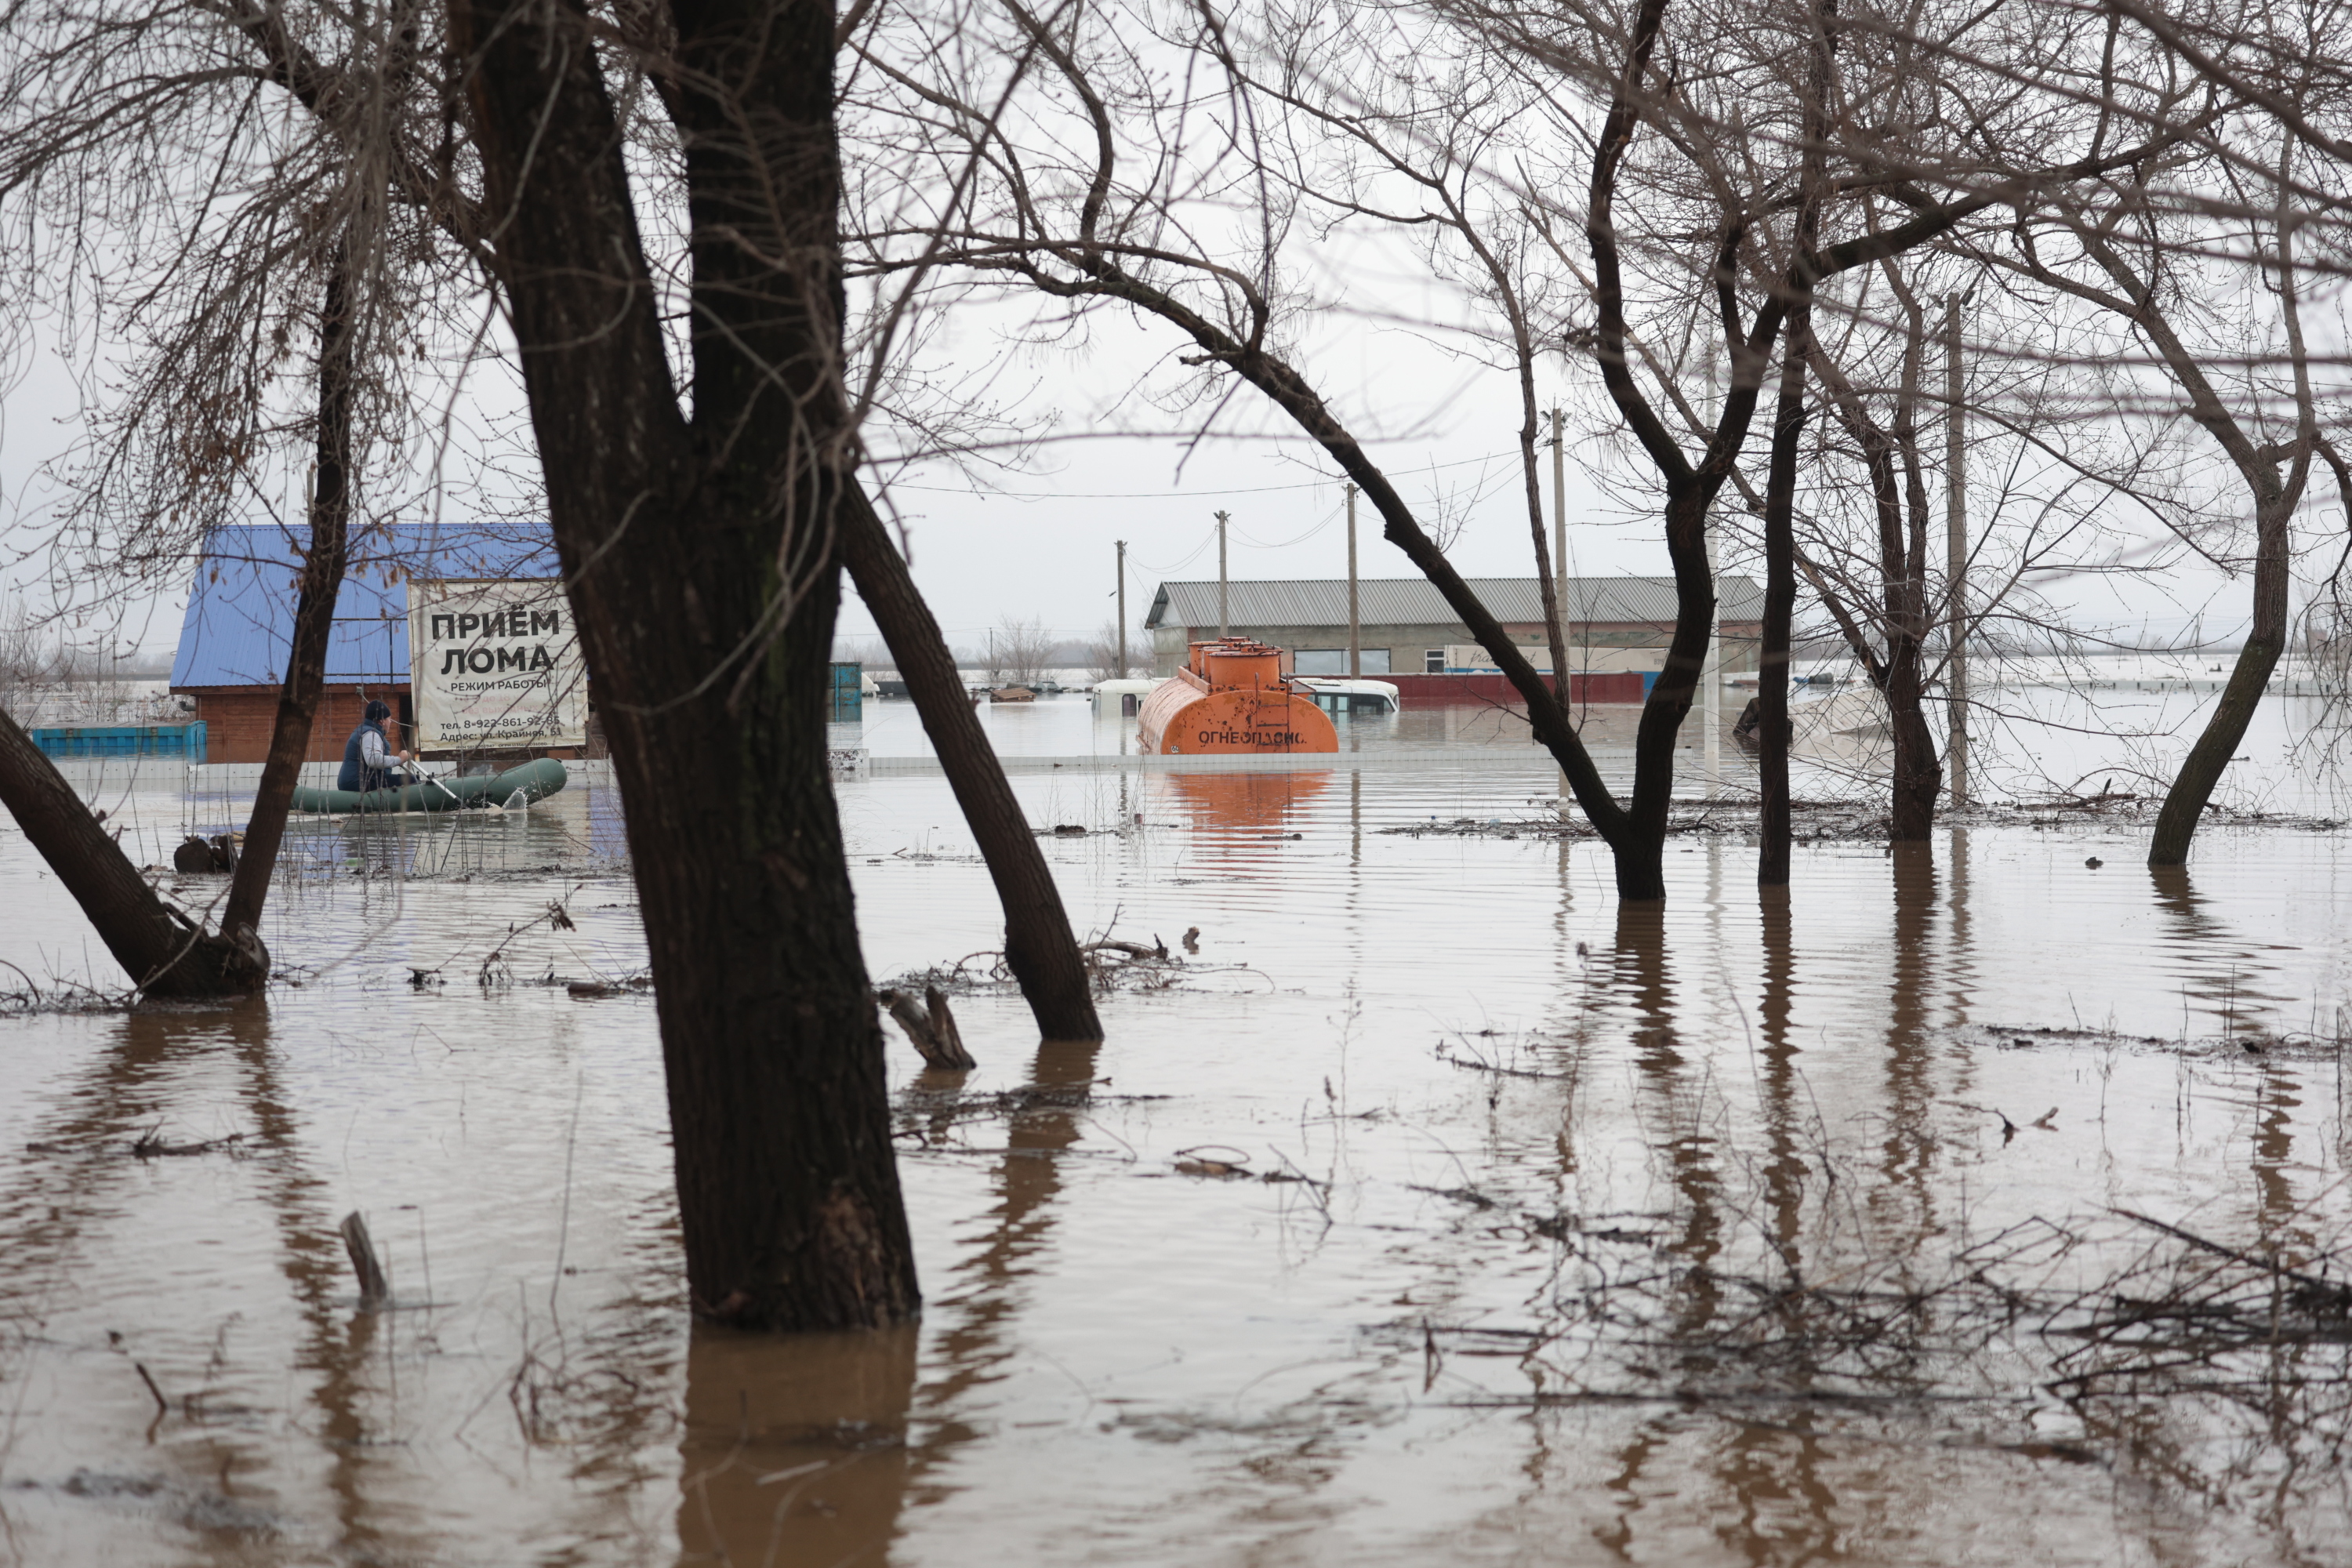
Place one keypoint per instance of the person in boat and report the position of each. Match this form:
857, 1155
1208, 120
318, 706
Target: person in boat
369, 761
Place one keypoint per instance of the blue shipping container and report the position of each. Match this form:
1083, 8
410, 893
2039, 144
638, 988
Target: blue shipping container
185, 741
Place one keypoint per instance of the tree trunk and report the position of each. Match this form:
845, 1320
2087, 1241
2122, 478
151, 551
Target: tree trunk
701, 564
1773, 827
2200, 774
1641, 856
314, 611
1918, 771
1918, 774
158, 948
1038, 946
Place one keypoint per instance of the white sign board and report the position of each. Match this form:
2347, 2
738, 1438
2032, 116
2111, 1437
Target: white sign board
495, 666
1475, 660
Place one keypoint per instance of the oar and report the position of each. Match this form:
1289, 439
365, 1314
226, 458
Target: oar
434, 780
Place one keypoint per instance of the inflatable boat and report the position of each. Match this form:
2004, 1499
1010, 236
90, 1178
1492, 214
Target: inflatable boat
534, 780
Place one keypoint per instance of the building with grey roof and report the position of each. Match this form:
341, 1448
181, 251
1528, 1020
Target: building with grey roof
1407, 627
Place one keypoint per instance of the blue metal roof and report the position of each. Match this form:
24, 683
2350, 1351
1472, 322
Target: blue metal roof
240, 614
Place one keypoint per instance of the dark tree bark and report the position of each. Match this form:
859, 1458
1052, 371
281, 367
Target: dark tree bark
314, 612
164, 954
1691, 489
1773, 859
1773, 856
1038, 946
2200, 771
1910, 615
701, 558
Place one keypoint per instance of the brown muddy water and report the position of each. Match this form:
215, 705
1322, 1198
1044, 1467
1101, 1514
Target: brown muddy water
1434, 1211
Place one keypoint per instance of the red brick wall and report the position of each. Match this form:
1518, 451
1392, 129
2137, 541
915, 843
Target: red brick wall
238, 719
1443, 690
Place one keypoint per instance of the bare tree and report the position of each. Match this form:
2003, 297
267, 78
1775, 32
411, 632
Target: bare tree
1114, 652
2153, 246
1018, 649
100, 122
1681, 205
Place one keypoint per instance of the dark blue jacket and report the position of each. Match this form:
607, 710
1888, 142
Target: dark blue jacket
356, 773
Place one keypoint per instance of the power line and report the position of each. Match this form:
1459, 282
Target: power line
1161, 495
1328, 519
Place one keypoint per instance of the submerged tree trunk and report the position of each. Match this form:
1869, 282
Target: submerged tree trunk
1918, 771
2201, 772
314, 611
164, 954
1773, 827
1038, 946
701, 561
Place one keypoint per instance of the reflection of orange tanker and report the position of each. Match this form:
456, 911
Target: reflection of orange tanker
1241, 802
1232, 699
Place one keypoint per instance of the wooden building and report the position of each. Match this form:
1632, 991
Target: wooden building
240, 619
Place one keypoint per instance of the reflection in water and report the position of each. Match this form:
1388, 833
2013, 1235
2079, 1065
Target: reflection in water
2224, 971
1784, 1169
1677, 1106
1239, 802
986, 1293
1904, 1204
794, 1451
129, 1090
2239, 1010
1698, 1152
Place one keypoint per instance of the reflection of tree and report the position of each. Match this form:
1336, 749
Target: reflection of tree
338, 1343
794, 1450
799, 1445
2215, 962
1765, 1471
75, 1212
71, 1204
1908, 1149
985, 1295
2200, 932
1647, 974
1784, 1168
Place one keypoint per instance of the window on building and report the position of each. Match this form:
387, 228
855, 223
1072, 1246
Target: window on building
1433, 662
1333, 661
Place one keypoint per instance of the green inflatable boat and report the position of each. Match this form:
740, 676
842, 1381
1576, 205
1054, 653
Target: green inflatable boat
535, 779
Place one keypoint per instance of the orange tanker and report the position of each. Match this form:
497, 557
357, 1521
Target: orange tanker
1233, 699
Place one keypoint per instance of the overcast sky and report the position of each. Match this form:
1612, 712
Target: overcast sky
1039, 543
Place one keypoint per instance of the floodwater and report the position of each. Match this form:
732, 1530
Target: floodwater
1434, 1210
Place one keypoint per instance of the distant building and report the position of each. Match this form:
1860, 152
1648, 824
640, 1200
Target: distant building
240, 621
1406, 627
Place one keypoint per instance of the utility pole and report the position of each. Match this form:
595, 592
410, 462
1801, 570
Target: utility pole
1118, 639
1956, 551
1559, 676
1224, 629
1355, 627
1560, 541
1711, 668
